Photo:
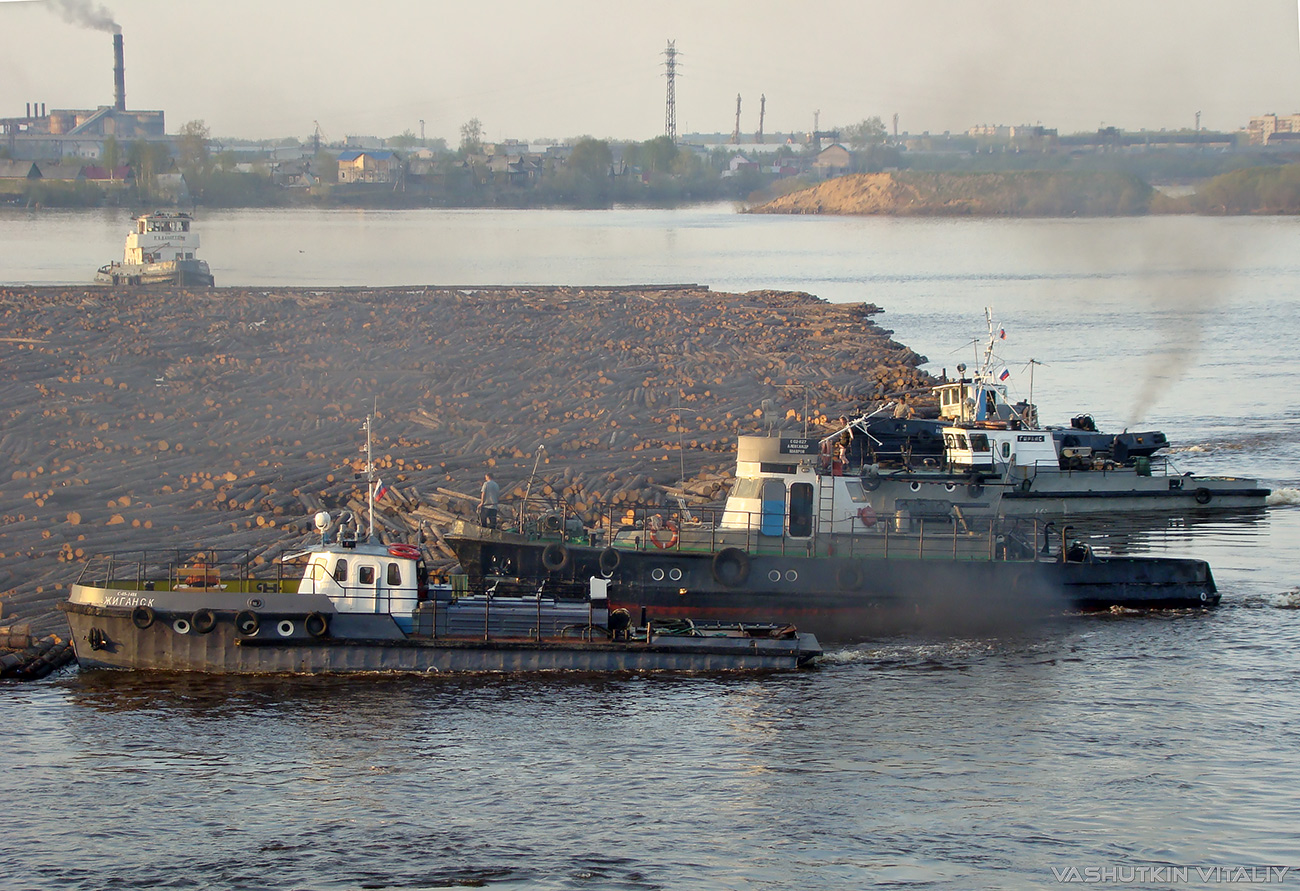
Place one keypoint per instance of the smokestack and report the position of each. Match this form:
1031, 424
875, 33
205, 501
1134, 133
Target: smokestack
119, 74
29, 109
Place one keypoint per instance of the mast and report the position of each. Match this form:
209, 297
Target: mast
370, 480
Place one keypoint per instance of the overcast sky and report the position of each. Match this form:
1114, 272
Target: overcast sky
564, 68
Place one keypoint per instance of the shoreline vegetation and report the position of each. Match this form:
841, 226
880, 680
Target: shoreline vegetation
155, 418
1027, 193
866, 174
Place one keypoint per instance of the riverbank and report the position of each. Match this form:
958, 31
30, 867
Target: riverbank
1020, 194
226, 417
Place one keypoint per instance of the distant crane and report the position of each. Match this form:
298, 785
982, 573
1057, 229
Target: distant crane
317, 138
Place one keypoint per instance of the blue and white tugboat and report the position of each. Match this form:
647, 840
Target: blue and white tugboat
359, 605
160, 250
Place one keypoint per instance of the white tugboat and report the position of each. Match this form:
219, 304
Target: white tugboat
160, 250
984, 456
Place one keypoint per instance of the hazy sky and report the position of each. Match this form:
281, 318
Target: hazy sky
563, 68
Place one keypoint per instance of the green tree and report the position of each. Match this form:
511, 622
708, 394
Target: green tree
148, 159
658, 155
111, 155
193, 147
405, 140
591, 158
471, 136
864, 133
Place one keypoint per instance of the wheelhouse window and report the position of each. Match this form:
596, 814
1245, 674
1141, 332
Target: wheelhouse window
394, 575
979, 442
857, 494
341, 570
366, 575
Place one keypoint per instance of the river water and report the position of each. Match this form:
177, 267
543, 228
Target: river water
1152, 750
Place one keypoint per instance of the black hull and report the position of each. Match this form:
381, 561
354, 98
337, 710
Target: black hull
843, 598
107, 637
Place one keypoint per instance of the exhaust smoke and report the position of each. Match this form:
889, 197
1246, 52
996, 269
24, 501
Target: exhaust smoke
87, 14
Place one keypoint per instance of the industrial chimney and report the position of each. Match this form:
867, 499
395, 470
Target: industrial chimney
119, 74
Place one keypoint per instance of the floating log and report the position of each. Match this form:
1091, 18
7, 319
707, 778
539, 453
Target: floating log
152, 395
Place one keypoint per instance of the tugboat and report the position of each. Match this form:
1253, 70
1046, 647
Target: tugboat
359, 605
160, 250
802, 544
985, 456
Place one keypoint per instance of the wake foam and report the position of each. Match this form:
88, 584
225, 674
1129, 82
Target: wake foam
1287, 599
1283, 496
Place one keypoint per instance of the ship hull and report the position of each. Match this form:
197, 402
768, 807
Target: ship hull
181, 273
846, 597
1061, 494
111, 637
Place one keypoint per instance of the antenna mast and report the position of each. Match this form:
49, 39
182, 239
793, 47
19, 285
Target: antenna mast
369, 478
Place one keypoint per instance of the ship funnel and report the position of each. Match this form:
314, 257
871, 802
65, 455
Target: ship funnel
119, 74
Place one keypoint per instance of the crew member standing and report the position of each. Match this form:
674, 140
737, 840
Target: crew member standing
488, 499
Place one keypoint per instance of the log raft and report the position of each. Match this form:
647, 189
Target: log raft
166, 417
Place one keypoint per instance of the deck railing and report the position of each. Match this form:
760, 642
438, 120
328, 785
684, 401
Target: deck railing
709, 529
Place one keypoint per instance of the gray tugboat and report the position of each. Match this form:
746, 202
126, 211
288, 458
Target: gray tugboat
160, 250
358, 605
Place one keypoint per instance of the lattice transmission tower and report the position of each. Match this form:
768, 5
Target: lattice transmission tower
670, 107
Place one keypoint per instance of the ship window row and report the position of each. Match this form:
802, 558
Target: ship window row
979, 442
366, 573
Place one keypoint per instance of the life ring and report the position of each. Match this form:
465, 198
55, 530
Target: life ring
849, 576
1203, 495
247, 623
405, 551
670, 542
555, 556
316, 624
610, 558
867, 516
142, 617
203, 620
284, 628
731, 567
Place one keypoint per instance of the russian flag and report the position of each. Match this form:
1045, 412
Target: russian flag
1006, 373
380, 489
1002, 334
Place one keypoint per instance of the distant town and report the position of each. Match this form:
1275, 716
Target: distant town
116, 156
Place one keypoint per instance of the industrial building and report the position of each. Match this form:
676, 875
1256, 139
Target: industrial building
80, 133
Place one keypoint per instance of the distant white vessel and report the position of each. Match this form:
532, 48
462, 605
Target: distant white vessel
160, 250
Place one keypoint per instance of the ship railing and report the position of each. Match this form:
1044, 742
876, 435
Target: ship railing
180, 568
709, 529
